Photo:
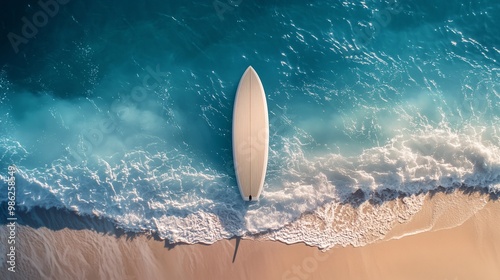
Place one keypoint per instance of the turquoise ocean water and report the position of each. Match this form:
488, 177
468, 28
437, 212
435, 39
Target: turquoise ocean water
122, 110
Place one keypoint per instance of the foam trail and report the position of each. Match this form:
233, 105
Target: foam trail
183, 202
442, 212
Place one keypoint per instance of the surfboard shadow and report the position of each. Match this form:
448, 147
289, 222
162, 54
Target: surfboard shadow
236, 246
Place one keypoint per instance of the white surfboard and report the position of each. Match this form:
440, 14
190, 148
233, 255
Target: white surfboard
250, 135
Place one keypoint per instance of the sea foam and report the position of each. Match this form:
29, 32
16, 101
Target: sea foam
322, 201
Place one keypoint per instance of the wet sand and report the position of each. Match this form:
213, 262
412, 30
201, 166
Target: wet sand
441, 250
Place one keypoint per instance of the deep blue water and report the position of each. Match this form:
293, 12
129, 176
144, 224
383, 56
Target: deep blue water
122, 109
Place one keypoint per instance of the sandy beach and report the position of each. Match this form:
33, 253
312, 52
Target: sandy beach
462, 242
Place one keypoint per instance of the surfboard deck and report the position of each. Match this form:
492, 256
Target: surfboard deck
250, 135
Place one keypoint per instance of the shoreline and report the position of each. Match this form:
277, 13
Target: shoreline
467, 251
